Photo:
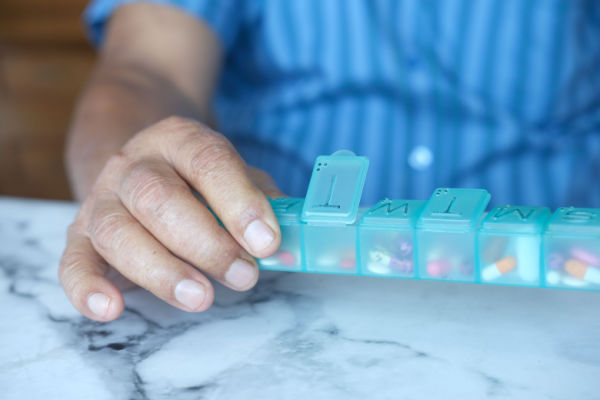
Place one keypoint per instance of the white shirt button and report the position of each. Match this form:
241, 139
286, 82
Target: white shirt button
420, 158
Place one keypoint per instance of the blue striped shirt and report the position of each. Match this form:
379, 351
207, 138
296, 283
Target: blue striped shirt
502, 95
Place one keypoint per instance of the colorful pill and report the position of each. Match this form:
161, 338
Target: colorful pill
348, 262
466, 268
582, 271
586, 257
438, 268
556, 261
403, 266
405, 249
379, 261
286, 258
499, 268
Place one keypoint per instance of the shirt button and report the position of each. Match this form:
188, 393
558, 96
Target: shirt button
420, 158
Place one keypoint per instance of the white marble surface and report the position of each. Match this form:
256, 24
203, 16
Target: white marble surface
295, 336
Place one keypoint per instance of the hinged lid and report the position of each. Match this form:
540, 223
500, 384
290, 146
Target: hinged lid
517, 219
575, 220
335, 189
454, 209
287, 209
400, 213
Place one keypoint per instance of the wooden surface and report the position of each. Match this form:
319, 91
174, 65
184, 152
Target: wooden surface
44, 62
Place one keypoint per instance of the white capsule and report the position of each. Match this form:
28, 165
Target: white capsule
570, 281
379, 262
582, 271
499, 268
553, 277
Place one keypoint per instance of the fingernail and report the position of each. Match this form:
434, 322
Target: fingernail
98, 304
241, 274
258, 235
190, 293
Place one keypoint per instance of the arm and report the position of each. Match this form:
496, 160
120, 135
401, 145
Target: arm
134, 167
155, 62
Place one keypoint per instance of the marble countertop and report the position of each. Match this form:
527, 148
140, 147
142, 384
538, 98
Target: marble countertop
295, 336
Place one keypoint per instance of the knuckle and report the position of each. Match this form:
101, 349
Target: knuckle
181, 126
212, 158
116, 161
149, 192
71, 275
106, 229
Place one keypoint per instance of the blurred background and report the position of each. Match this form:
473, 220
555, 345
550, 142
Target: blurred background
45, 61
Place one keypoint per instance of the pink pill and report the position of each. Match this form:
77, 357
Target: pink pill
348, 262
438, 268
585, 256
286, 258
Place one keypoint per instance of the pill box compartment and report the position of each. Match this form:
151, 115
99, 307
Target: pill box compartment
446, 234
289, 256
330, 249
386, 238
509, 245
571, 249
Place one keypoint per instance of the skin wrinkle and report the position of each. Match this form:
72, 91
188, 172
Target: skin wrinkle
136, 150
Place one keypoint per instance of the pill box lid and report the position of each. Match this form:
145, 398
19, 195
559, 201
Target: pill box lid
585, 221
451, 209
335, 190
393, 213
516, 219
287, 209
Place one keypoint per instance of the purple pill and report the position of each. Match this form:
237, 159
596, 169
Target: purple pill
403, 266
405, 248
556, 261
585, 256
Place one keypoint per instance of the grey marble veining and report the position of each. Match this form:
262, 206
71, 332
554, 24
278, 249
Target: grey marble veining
295, 336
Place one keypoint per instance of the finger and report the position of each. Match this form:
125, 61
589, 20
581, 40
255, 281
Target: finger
127, 246
82, 275
210, 164
164, 204
265, 183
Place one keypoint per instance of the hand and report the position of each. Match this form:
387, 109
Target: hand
142, 218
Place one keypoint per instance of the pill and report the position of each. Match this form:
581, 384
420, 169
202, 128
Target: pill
403, 266
348, 262
466, 268
378, 268
499, 268
268, 262
556, 261
582, 271
405, 249
570, 281
585, 256
286, 258
379, 261
553, 277
437, 268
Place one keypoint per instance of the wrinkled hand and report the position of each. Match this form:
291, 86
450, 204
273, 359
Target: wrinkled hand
142, 218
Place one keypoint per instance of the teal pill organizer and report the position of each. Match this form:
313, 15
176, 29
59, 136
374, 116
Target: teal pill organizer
449, 237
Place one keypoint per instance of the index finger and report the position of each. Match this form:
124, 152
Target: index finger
212, 166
